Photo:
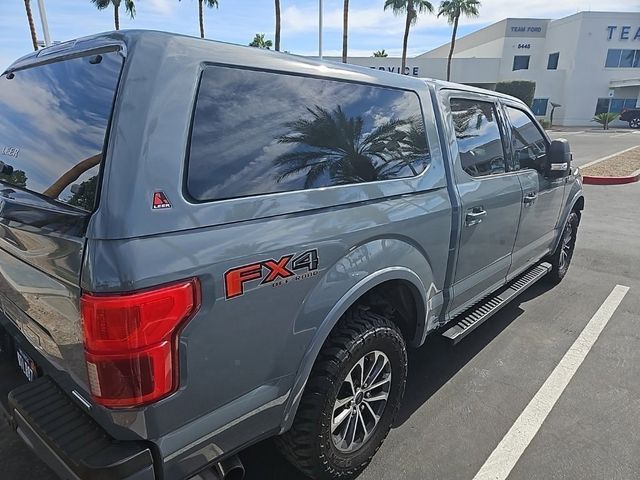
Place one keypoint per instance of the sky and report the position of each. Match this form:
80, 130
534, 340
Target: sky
237, 21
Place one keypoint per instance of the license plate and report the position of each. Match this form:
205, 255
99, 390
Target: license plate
27, 365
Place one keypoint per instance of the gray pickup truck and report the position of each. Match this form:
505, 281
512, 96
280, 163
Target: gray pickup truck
205, 245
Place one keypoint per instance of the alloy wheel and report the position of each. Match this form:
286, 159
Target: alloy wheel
360, 402
565, 252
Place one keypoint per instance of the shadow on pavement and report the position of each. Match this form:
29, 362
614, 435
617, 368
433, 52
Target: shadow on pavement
430, 367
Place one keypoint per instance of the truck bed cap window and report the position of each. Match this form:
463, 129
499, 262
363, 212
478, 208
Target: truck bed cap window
257, 132
53, 121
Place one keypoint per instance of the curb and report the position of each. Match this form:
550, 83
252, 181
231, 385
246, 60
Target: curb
610, 180
593, 180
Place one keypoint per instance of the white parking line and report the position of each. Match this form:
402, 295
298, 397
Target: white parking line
504, 457
560, 132
624, 134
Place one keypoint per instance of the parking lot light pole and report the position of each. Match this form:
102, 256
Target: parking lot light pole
320, 29
45, 24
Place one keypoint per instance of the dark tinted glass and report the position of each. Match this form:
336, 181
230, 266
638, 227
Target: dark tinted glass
529, 148
53, 120
552, 64
478, 135
613, 58
602, 105
260, 132
626, 59
617, 104
521, 62
539, 106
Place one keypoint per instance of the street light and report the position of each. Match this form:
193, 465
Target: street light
320, 29
45, 24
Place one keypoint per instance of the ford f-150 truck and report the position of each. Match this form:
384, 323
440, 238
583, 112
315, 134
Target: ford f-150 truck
205, 245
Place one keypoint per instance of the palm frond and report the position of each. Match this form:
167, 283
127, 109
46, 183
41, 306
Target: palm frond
130, 7
101, 4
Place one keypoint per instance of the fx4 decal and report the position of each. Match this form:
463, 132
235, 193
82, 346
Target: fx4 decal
275, 272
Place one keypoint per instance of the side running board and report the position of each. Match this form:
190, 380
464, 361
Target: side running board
480, 312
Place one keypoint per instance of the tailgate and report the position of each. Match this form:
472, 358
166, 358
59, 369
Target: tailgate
54, 119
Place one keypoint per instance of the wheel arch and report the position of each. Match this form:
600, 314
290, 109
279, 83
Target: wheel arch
390, 280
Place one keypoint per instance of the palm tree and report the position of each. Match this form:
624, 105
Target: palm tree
260, 42
411, 8
345, 30
277, 25
337, 145
453, 9
129, 7
210, 4
380, 54
32, 26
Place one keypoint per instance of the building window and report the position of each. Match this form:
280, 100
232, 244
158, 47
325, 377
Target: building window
626, 60
617, 105
613, 58
552, 64
521, 62
617, 58
539, 106
602, 105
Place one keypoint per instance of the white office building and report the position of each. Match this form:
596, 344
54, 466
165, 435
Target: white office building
587, 63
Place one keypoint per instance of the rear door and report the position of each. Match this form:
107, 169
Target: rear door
542, 195
490, 195
53, 122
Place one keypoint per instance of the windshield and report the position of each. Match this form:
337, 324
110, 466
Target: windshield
53, 121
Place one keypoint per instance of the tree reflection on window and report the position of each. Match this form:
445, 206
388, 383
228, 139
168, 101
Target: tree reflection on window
333, 145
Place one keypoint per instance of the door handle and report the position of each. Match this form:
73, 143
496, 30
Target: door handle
530, 199
475, 216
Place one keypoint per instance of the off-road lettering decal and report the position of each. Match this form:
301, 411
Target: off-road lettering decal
278, 269
275, 272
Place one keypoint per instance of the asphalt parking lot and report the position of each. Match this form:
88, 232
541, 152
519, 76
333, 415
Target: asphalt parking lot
589, 144
461, 401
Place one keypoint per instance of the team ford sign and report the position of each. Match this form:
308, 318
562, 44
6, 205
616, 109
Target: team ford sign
526, 28
624, 32
415, 71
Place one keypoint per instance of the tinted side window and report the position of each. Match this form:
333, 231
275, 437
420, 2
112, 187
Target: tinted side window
53, 121
261, 132
478, 136
529, 148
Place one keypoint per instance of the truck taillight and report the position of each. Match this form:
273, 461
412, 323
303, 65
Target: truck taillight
131, 344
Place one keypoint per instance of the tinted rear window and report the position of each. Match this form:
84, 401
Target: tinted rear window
53, 121
260, 132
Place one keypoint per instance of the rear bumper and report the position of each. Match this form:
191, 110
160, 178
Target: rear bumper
65, 437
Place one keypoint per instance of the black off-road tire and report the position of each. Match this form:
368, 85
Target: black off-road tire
558, 266
634, 123
308, 445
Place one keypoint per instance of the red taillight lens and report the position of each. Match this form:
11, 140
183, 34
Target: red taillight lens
130, 342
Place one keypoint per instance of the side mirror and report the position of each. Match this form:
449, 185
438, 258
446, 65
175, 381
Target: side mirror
559, 157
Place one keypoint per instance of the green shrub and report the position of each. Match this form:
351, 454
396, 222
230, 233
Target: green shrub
605, 119
544, 123
522, 89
